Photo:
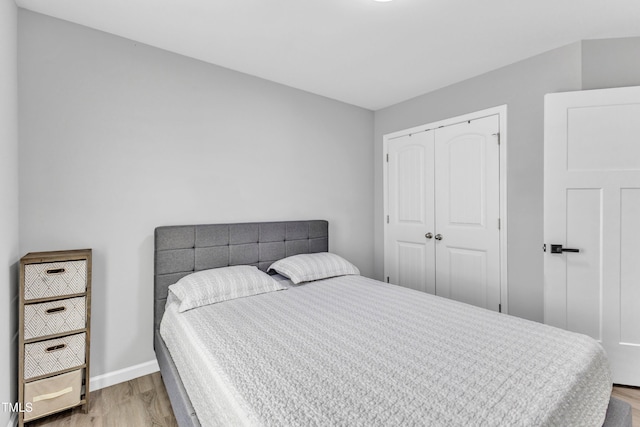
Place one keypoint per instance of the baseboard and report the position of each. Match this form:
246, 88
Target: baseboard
122, 375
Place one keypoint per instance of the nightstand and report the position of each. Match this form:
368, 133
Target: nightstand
54, 332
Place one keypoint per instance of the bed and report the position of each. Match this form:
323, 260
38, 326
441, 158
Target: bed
348, 350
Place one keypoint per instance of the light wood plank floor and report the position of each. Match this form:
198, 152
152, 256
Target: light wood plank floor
144, 402
631, 395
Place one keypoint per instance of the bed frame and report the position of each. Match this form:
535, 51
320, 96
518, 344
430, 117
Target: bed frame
181, 250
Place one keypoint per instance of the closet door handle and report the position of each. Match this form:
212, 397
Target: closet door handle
429, 235
438, 236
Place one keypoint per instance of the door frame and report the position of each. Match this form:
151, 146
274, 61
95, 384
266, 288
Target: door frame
501, 111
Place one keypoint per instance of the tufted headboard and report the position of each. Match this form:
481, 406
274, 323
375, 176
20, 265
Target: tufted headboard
183, 249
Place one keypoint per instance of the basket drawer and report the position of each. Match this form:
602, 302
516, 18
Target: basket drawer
52, 394
54, 317
49, 356
52, 279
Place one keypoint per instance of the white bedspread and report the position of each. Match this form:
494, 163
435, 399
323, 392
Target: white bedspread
352, 351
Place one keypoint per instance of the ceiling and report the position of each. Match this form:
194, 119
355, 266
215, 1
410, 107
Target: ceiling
361, 52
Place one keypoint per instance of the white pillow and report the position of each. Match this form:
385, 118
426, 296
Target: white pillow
222, 284
307, 267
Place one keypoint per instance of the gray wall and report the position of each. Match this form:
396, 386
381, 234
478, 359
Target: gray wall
117, 138
610, 63
522, 87
9, 253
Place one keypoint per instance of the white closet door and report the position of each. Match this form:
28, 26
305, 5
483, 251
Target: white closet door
409, 252
467, 207
592, 205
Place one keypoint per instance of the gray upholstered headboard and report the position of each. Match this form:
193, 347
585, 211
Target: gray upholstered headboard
183, 249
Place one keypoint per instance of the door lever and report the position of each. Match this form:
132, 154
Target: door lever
558, 249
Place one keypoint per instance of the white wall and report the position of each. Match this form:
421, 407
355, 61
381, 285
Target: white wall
117, 138
9, 252
522, 87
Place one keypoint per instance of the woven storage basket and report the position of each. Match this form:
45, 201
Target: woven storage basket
52, 394
49, 356
54, 279
54, 317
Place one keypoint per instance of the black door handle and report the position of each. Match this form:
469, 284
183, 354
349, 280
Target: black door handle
558, 249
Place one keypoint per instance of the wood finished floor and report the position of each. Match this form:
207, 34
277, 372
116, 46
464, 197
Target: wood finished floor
631, 395
144, 402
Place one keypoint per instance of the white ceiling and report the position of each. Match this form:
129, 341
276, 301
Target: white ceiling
361, 52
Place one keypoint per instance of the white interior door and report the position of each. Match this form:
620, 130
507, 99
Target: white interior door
467, 194
409, 250
592, 204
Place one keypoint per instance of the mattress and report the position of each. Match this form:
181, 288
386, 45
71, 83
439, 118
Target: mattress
355, 351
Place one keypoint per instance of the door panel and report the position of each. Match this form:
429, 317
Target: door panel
466, 163
467, 177
630, 266
409, 166
410, 257
585, 136
412, 268
584, 272
592, 203
467, 275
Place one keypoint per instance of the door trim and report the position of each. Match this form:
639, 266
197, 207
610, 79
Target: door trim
501, 111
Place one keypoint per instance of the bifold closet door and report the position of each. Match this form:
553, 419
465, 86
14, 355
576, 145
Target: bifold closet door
443, 230
467, 208
409, 251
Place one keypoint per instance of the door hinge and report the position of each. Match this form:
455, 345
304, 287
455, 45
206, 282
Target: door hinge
387, 279
387, 157
499, 308
387, 219
498, 136
498, 223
